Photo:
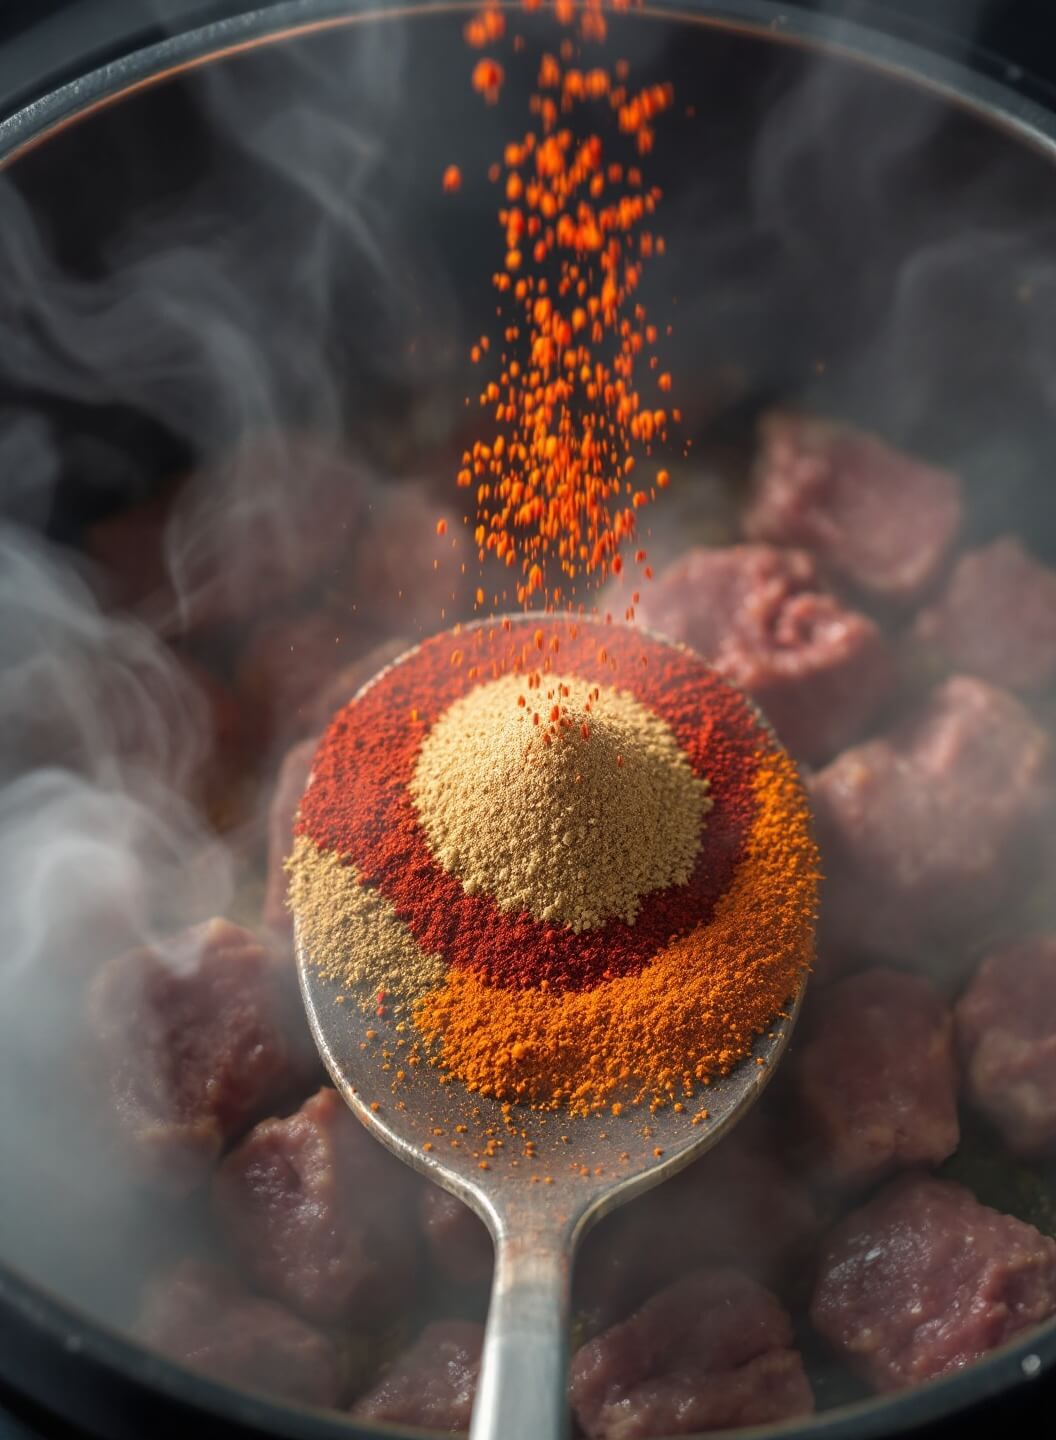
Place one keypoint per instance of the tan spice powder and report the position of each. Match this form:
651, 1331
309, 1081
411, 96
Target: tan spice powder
350, 931
566, 801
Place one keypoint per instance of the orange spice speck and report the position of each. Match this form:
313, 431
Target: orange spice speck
488, 76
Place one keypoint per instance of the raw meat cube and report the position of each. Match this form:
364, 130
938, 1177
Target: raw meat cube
200, 1316
713, 1350
877, 518
1006, 1034
923, 1280
432, 1384
129, 548
344, 683
320, 1215
403, 577
192, 1046
818, 670
457, 1242
924, 832
996, 618
249, 533
738, 1205
874, 1078
288, 661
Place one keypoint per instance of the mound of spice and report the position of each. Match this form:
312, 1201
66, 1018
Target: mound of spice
572, 821
627, 966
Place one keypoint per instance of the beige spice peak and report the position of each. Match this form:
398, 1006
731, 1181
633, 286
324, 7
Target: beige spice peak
573, 817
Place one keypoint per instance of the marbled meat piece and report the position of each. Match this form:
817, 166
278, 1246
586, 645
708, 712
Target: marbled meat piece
926, 831
996, 618
762, 617
713, 1350
432, 1384
923, 1280
282, 812
1006, 1035
320, 1215
457, 1241
737, 1205
202, 1317
877, 518
873, 1077
191, 1042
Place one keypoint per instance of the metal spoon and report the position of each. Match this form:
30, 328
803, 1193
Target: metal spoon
537, 1206
537, 1179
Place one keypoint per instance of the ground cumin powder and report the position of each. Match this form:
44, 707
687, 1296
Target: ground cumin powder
573, 821
351, 932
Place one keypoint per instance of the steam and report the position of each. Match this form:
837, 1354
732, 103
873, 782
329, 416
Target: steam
101, 849
212, 321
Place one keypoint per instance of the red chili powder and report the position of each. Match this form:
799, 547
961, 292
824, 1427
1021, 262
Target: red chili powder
359, 805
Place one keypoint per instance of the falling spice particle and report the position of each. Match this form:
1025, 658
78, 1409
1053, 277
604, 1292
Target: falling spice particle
569, 414
488, 77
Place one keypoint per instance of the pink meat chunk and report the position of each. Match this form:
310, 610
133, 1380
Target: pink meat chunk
713, 1350
288, 661
403, 577
738, 1205
343, 684
129, 548
192, 1045
319, 1215
458, 1245
926, 831
996, 618
254, 530
1006, 1035
874, 1078
432, 1384
923, 1280
200, 1316
761, 616
876, 518
285, 802
222, 708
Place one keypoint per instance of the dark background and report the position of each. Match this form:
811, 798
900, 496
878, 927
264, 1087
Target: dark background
43, 41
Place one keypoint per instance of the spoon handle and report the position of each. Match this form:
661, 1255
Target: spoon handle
522, 1392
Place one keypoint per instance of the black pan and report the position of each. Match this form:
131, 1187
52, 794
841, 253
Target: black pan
851, 211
